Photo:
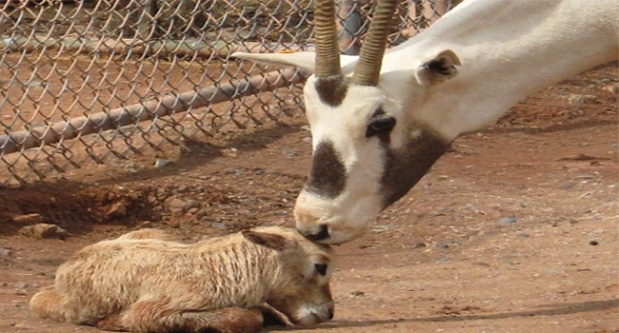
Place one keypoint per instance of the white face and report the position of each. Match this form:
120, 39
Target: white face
369, 149
360, 147
367, 153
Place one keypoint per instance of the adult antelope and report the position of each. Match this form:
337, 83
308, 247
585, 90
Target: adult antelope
379, 123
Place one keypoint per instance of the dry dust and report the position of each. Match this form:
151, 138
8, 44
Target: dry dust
514, 230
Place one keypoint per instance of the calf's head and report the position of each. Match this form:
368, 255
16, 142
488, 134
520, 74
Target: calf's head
301, 285
367, 150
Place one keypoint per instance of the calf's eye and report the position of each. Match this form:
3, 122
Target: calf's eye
321, 269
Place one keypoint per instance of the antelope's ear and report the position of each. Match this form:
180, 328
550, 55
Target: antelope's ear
439, 69
301, 60
272, 241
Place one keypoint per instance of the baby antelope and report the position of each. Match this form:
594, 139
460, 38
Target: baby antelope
143, 283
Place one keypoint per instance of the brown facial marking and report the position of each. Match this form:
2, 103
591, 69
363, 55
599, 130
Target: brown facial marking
331, 90
327, 176
404, 168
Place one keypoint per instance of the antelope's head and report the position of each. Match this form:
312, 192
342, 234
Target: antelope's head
367, 149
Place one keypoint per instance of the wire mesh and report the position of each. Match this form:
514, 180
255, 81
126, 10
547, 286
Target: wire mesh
86, 81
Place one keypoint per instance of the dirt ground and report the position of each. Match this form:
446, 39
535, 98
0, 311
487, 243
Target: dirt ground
514, 230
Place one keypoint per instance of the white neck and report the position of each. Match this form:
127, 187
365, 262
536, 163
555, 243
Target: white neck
508, 50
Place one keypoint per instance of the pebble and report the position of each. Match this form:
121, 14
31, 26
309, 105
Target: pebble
232, 153
577, 99
218, 225
568, 185
5, 253
176, 205
593, 242
117, 209
23, 325
442, 245
43, 230
290, 153
21, 285
419, 245
161, 163
28, 219
507, 220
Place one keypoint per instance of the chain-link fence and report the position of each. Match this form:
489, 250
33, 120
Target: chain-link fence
84, 81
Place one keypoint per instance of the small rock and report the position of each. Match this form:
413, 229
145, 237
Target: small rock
174, 224
162, 162
567, 186
577, 99
357, 293
146, 224
443, 246
258, 172
232, 152
612, 88
290, 153
176, 205
507, 220
218, 225
43, 230
21, 292
28, 219
21, 285
192, 211
419, 245
5, 253
118, 209
593, 242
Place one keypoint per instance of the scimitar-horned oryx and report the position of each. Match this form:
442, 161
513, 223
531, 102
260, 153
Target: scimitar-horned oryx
379, 121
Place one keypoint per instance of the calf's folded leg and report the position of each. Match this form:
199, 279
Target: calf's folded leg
47, 303
156, 316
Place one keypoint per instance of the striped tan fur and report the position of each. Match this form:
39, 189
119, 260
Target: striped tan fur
142, 284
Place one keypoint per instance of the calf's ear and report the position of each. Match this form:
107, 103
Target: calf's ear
272, 241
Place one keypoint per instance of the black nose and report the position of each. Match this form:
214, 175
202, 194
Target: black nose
322, 234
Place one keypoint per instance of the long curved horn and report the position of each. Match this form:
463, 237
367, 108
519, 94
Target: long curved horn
327, 52
367, 70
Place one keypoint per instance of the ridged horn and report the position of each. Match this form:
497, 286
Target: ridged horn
367, 70
327, 51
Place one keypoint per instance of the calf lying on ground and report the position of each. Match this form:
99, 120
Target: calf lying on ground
138, 283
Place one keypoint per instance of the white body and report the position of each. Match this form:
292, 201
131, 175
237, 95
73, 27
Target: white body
508, 50
459, 75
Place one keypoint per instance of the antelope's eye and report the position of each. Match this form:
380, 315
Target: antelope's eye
321, 269
379, 125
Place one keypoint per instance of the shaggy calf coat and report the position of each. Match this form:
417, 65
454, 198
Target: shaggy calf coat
139, 283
